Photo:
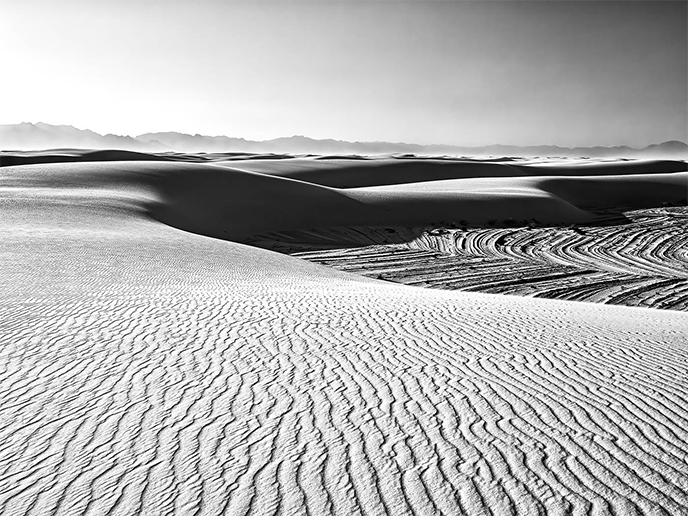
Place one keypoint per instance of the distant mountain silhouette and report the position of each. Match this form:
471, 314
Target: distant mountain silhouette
28, 136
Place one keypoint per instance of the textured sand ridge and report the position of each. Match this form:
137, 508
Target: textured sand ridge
638, 259
146, 369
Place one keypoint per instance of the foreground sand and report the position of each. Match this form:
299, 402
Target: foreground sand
146, 369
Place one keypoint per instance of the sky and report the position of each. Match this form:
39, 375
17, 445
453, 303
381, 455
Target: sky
571, 73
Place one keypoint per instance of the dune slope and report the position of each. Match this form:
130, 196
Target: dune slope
146, 369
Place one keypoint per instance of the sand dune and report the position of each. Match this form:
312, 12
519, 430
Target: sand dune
147, 369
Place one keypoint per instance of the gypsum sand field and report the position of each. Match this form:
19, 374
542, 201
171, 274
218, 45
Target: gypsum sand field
146, 368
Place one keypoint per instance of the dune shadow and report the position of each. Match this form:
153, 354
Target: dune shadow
348, 237
331, 238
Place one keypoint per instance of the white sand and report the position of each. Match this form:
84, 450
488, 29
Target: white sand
149, 370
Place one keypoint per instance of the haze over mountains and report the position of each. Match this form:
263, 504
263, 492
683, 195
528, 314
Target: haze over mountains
38, 136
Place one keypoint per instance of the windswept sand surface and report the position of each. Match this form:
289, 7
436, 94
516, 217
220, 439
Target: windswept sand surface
148, 369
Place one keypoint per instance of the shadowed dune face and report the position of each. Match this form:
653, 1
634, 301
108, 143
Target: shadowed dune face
346, 173
638, 191
148, 370
233, 204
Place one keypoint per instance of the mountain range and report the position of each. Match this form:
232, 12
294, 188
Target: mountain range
39, 136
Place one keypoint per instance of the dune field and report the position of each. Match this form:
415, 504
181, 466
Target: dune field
163, 354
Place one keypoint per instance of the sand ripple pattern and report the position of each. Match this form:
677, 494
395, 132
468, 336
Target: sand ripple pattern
641, 262
206, 401
174, 393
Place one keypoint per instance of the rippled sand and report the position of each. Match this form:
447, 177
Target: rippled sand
148, 369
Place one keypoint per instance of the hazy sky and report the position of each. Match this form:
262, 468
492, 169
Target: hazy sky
473, 73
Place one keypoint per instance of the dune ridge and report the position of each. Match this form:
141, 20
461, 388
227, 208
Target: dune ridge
149, 370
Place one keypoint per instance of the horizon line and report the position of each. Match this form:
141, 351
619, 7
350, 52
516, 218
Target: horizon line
136, 136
